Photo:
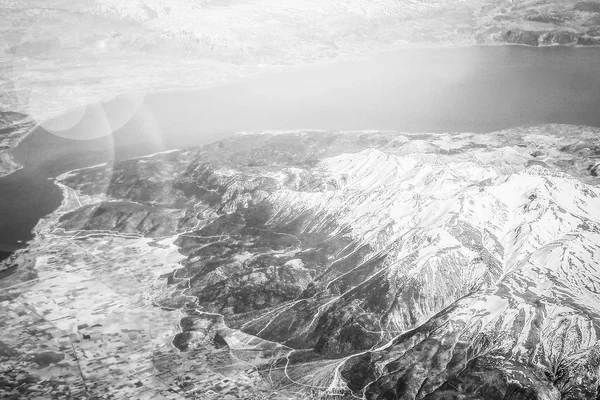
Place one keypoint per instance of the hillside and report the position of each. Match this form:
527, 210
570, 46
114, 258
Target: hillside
375, 264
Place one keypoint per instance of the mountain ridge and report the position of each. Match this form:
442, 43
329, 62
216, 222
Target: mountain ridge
364, 263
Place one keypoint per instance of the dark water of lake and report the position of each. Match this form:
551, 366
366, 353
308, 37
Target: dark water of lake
476, 89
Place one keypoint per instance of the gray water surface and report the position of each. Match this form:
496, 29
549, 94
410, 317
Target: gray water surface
476, 89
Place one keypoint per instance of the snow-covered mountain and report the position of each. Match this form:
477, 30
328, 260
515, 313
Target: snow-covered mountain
374, 264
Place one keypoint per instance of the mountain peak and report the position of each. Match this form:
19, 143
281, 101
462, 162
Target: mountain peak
339, 263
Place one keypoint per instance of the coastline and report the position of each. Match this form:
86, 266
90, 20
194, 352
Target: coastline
70, 202
56, 265
28, 126
7, 145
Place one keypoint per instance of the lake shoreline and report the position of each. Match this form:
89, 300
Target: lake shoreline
496, 87
271, 69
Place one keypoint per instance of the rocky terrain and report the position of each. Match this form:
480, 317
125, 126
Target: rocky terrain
13, 127
540, 23
376, 265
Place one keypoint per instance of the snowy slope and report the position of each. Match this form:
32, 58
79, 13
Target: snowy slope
371, 264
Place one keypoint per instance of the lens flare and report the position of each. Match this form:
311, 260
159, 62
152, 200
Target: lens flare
70, 95
96, 120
